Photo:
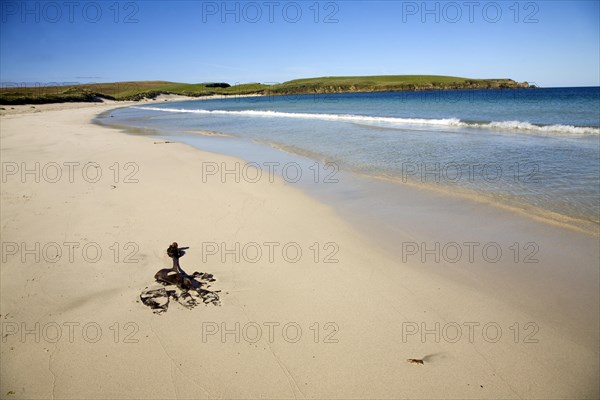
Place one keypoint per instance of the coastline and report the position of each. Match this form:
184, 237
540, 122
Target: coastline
372, 297
523, 179
34, 108
526, 210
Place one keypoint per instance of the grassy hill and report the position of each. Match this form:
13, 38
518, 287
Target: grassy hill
150, 89
385, 83
116, 91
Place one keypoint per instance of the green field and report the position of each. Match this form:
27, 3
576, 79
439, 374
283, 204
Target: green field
386, 83
116, 91
13, 94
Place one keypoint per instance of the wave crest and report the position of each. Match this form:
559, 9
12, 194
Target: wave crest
396, 121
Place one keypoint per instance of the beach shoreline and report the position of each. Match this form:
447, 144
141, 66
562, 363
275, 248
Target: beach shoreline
34, 108
357, 316
548, 175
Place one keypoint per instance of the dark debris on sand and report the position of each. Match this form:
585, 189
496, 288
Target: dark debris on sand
177, 285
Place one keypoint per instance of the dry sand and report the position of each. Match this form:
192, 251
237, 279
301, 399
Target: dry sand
328, 330
36, 108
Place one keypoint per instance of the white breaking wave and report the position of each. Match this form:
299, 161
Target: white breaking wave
323, 117
453, 122
548, 129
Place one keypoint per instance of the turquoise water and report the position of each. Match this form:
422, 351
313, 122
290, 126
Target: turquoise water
536, 149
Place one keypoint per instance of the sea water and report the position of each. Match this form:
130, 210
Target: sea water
536, 150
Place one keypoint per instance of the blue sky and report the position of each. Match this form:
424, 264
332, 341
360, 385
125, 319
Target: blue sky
550, 43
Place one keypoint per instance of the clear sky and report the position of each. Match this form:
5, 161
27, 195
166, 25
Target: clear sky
550, 43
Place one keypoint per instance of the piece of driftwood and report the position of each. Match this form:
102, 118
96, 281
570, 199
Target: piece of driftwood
428, 358
187, 290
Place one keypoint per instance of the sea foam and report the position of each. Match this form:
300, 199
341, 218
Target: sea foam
523, 126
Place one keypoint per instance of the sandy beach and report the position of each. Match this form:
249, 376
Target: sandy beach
310, 306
